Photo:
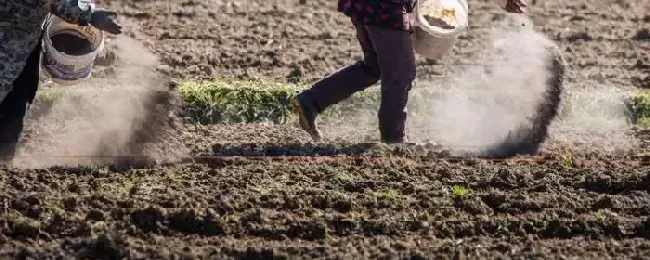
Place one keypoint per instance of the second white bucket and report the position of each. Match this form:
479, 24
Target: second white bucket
68, 68
435, 40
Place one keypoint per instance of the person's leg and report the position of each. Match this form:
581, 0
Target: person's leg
10, 132
396, 59
12, 112
339, 85
14, 107
349, 79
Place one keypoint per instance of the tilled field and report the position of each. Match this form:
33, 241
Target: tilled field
337, 207
373, 201
280, 38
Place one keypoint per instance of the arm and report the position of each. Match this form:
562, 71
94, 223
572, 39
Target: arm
83, 12
73, 11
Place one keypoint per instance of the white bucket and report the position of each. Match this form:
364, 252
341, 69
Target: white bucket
67, 69
433, 40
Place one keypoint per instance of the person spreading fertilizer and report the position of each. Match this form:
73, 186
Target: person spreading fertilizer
21, 33
384, 32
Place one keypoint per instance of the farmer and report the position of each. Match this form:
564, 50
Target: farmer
383, 31
21, 32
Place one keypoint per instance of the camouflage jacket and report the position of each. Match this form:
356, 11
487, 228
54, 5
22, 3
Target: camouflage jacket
390, 14
21, 28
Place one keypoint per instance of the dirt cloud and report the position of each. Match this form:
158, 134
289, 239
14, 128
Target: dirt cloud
501, 105
120, 116
515, 101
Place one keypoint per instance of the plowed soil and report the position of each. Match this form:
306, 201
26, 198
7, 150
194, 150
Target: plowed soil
372, 201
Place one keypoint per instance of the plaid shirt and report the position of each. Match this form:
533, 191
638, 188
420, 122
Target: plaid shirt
391, 14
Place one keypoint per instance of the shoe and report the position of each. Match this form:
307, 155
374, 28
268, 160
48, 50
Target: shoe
307, 113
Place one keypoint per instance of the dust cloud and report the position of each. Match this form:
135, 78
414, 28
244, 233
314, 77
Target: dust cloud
502, 105
512, 99
595, 120
121, 116
516, 100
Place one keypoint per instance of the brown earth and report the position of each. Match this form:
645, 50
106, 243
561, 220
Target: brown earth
391, 203
278, 38
347, 207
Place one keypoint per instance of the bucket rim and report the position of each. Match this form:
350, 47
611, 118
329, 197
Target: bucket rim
98, 47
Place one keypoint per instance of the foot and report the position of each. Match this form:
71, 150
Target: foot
306, 115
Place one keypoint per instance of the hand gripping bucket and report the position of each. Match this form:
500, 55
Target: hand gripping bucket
437, 26
65, 60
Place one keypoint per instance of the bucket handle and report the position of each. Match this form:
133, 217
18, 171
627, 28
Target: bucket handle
44, 25
47, 21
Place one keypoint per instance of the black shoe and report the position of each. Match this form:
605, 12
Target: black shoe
307, 113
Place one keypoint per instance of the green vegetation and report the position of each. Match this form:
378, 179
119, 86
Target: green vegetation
390, 194
26, 227
97, 227
566, 159
638, 107
340, 176
459, 191
256, 100
236, 101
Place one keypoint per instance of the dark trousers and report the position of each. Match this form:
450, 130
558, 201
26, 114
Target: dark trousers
14, 107
389, 57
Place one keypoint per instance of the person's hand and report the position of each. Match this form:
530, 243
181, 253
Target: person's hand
106, 21
516, 6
